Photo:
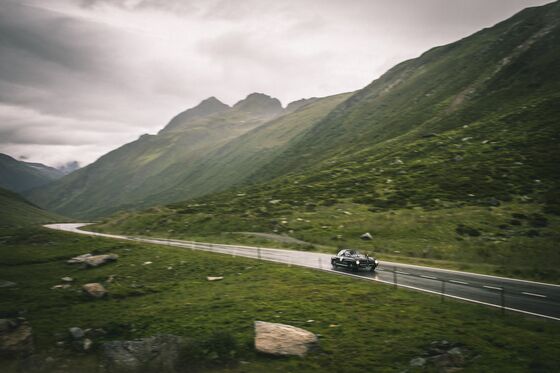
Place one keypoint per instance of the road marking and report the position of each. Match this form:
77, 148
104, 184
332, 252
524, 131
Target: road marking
534, 295
492, 287
387, 263
430, 277
402, 273
459, 282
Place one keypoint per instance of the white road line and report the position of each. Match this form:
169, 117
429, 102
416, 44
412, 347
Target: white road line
534, 295
402, 273
387, 263
492, 287
459, 282
430, 277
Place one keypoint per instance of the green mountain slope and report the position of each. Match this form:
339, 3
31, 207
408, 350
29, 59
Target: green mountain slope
450, 156
16, 211
234, 162
20, 176
206, 148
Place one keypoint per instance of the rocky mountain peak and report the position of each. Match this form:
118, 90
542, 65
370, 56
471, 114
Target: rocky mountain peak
206, 107
259, 103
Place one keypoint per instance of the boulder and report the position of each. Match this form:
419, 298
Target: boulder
95, 290
366, 236
93, 260
76, 333
16, 337
154, 354
283, 340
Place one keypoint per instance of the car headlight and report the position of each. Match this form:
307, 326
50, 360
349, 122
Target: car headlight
375, 261
357, 262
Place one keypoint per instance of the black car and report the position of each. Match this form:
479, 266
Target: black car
354, 260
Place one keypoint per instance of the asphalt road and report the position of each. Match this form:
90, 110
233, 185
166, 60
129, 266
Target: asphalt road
534, 298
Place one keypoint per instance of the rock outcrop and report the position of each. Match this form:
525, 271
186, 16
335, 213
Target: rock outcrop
283, 340
154, 354
95, 290
89, 260
16, 337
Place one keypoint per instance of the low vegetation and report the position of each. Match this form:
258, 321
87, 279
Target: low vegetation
159, 289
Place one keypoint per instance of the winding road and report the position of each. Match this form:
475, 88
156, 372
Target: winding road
528, 297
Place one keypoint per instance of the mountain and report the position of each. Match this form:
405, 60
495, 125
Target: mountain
20, 176
234, 162
69, 167
16, 211
207, 107
191, 156
452, 155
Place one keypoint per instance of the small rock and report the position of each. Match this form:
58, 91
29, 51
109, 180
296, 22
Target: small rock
111, 278
95, 290
67, 279
366, 236
146, 263
87, 344
7, 284
283, 340
63, 286
76, 333
214, 278
418, 362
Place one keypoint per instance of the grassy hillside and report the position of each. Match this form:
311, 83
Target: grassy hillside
204, 149
361, 324
16, 211
136, 170
234, 162
451, 157
494, 73
19, 176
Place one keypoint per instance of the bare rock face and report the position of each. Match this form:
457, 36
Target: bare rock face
16, 337
93, 260
283, 340
154, 354
95, 290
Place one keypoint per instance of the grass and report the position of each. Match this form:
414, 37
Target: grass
513, 239
376, 325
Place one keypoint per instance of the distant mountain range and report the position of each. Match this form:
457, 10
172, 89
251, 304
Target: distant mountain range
204, 149
474, 122
20, 176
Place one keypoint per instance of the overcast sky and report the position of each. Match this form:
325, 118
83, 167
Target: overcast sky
81, 77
